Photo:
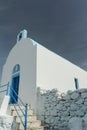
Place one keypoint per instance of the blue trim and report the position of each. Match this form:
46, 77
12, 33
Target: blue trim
26, 116
76, 83
16, 69
25, 112
7, 91
18, 106
16, 74
19, 116
18, 97
15, 85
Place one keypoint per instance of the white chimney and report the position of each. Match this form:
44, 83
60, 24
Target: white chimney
22, 35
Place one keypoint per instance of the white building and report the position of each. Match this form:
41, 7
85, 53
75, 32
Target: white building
29, 65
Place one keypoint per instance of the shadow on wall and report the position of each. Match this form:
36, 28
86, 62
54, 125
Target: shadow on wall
57, 109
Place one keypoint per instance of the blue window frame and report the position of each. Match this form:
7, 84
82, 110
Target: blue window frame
76, 83
16, 69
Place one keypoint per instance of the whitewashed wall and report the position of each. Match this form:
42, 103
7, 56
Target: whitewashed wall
54, 71
24, 54
40, 68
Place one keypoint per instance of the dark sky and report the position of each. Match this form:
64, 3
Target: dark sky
59, 25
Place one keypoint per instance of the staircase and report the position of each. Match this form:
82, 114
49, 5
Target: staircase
32, 122
22, 112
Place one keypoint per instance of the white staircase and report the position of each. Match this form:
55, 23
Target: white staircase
33, 123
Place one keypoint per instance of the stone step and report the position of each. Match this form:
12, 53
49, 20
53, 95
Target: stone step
40, 128
30, 118
11, 107
30, 112
32, 125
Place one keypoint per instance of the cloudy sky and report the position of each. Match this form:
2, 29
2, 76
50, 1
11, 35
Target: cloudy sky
59, 25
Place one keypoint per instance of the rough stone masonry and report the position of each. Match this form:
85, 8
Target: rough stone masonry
56, 110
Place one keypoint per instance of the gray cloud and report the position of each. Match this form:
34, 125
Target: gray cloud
59, 25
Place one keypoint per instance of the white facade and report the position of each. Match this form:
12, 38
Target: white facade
39, 67
54, 71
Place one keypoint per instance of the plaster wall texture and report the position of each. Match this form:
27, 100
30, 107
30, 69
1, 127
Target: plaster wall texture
56, 109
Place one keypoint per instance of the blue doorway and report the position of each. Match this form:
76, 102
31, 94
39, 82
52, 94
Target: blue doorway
14, 90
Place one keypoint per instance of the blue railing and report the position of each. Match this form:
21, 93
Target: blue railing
11, 92
4, 88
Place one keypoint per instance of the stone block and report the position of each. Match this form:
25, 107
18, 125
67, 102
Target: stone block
69, 92
83, 90
83, 109
74, 107
53, 113
74, 95
75, 123
65, 114
67, 97
80, 113
67, 104
59, 106
64, 109
84, 121
85, 103
84, 95
72, 113
80, 101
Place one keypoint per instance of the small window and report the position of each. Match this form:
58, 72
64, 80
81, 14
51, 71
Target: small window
20, 36
16, 69
76, 83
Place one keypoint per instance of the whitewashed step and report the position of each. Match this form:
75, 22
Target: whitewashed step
30, 112
17, 107
34, 124
30, 118
40, 128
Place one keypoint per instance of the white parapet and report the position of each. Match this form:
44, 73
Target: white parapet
4, 105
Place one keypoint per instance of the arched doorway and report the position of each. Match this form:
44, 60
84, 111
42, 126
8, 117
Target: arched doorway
15, 84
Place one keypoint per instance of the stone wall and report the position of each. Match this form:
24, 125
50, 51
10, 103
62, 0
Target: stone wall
57, 109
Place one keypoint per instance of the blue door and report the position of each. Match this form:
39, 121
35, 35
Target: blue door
15, 84
15, 87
